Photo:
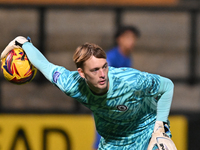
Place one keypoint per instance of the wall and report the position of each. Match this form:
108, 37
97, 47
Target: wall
162, 49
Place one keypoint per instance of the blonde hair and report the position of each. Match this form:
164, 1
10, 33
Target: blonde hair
85, 51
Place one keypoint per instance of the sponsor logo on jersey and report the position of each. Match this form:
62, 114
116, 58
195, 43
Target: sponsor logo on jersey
122, 107
55, 76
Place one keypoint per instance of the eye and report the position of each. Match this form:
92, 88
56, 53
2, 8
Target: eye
105, 66
95, 69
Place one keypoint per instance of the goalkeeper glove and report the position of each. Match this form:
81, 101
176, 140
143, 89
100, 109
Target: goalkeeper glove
16, 43
160, 140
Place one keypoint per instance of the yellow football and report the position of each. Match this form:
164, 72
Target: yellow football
17, 68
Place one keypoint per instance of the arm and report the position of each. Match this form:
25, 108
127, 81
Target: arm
34, 55
58, 75
161, 89
38, 60
161, 136
164, 103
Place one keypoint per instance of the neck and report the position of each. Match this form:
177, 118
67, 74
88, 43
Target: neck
97, 91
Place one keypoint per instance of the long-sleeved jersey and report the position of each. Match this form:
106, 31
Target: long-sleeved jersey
129, 109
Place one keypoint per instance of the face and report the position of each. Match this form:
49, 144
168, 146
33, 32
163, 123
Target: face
127, 41
95, 72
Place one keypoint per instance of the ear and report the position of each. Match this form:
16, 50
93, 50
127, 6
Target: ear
81, 73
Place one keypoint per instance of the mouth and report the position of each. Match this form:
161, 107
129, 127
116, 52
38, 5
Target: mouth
102, 82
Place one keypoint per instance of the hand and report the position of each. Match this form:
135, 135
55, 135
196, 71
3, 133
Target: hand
160, 139
16, 43
159, 125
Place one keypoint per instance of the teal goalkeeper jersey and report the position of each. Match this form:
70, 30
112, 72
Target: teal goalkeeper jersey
128, 107
127, 112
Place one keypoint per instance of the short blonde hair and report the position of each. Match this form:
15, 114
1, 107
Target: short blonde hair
85, 51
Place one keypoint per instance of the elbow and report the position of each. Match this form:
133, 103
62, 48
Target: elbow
166, 84
171, 84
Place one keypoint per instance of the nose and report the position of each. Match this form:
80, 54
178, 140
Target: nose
101, 73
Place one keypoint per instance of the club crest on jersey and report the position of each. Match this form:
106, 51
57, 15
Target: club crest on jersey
122, 107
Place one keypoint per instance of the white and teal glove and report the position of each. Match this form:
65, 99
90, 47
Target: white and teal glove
160, 140
16, 43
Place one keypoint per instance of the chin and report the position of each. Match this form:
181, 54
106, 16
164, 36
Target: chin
103, 87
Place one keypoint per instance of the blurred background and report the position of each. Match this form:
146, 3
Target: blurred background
168, 46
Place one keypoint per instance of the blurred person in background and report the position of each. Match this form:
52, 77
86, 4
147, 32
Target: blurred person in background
130, 107
120, 55
125, 39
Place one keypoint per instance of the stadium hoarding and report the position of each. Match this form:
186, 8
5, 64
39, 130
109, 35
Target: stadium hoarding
46, 132
63, 132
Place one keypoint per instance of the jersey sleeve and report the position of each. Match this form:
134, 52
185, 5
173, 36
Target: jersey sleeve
162, 89
164, 103
67, 81
38, 60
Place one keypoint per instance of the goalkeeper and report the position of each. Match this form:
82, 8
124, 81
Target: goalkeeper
130, 107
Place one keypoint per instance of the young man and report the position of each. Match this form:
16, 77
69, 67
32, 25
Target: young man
120, 55
125, 38
130, 107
